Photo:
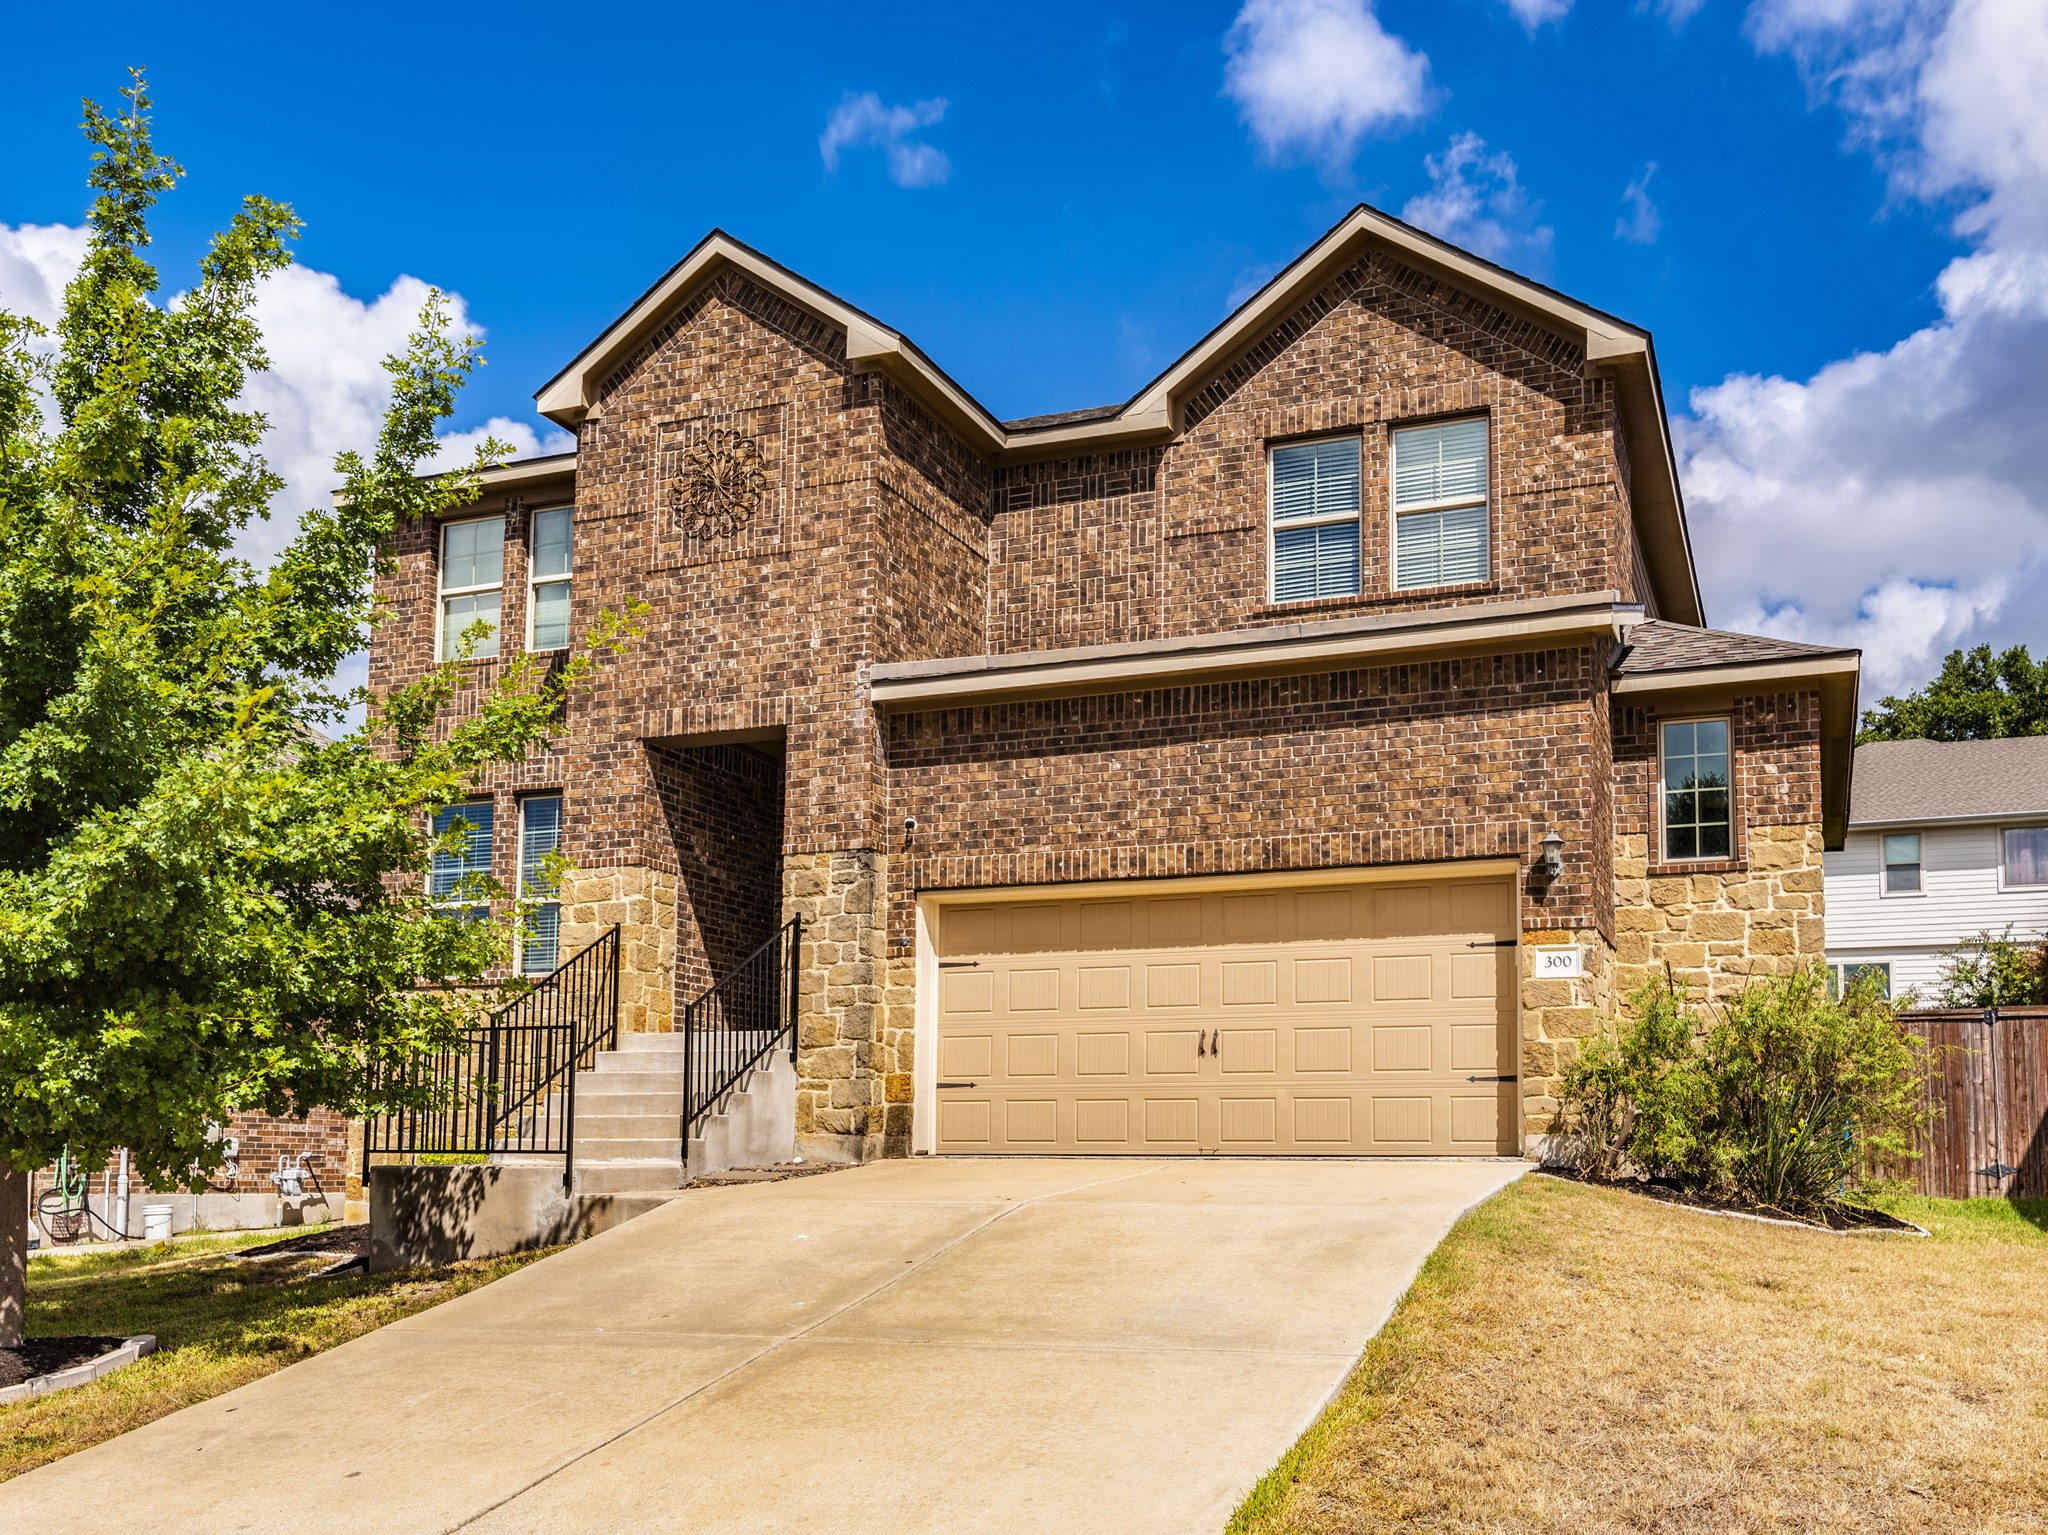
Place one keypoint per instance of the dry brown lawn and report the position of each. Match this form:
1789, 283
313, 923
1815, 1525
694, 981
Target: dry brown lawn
1577, 1359
220, 1322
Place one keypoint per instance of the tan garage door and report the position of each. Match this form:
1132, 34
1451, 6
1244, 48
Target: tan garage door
1313, 1019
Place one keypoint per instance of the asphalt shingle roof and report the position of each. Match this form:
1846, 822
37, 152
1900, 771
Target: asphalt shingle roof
1937, 780
1062, 418
1658, 646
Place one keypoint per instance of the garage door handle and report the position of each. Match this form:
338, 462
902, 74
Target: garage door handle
959, 1084
1510, 1077
1493, 943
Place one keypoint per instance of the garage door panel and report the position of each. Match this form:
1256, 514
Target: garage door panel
1320, 1020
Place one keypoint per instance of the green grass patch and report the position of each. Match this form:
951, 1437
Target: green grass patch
220, 1321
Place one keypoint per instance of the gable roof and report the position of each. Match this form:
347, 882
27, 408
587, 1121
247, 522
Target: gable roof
1611, 345
1899, 781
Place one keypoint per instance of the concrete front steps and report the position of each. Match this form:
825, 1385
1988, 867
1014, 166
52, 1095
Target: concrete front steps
629, 1114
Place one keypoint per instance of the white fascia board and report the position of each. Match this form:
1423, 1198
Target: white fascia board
1244, 652
1998, 818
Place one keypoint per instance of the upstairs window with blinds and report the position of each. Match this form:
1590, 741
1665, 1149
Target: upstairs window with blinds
551, 556
540, 834
462, 866
1440, 512
1315, 520
472, 583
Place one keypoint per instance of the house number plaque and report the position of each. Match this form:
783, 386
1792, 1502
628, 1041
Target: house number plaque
1559, 964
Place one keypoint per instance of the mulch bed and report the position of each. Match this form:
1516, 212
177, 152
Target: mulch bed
1834, 1218
341, 1242
46, 1356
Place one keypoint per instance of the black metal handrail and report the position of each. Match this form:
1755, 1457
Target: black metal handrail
734, 1026
509, 1083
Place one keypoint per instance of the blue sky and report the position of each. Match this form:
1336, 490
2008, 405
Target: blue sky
1055, 201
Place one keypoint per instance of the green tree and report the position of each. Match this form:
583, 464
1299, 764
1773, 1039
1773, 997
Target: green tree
1978, 696
205, 904
1994, 970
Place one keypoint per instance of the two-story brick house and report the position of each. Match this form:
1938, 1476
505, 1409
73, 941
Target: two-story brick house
1174, 776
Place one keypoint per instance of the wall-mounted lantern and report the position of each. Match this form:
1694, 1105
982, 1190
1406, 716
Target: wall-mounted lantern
1550, 855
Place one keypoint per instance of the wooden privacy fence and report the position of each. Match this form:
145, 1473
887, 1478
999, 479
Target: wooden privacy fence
1990, 1088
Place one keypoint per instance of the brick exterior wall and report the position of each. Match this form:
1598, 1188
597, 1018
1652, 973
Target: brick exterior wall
1717, 924
880, 537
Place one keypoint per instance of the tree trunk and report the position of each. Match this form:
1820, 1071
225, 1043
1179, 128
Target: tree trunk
13, 1254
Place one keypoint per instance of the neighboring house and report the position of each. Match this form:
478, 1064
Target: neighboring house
1947, 839
1173, 776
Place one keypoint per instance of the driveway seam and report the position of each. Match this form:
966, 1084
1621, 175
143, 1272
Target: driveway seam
890, 1283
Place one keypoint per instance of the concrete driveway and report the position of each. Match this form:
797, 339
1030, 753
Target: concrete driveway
945, 1346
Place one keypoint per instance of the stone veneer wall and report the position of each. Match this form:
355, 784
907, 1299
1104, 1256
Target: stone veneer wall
642, 902
1716, 931
1556, 1015
845, 1058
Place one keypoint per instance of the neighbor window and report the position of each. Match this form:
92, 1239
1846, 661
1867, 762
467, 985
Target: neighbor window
1315, 520
1843, 978
1902, 863
472, 582
1696, 821
2026, 855
551, 554
1440, 515
540, 833
456, 871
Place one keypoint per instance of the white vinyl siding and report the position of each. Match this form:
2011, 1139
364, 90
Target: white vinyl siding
540, 833
472, 582
1963, 892
1441, 521
1315, 503
551, 557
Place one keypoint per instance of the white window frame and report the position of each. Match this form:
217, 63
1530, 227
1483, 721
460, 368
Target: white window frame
1885, 865
519, 891
442, 591
1734, 853
1396, 512
535, 582
1319, 520
2005, 884
1838, 974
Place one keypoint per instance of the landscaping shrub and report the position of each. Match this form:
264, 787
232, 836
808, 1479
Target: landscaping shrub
1995, 970
1785, 1098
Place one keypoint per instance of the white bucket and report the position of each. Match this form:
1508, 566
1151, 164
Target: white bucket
156, 1223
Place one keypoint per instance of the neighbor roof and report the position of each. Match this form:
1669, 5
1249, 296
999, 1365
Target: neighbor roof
1949, 780
1617, 348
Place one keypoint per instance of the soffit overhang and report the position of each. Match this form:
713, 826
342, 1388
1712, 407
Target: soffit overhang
1611, 347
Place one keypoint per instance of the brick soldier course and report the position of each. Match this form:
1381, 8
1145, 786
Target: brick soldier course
895, 647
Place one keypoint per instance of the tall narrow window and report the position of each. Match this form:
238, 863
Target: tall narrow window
1902, 863
540, 833
1315, 520
1696, 822
551, 556
472, 582
1440, 516
456, 873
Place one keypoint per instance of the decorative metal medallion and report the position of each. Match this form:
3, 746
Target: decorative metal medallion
719, 485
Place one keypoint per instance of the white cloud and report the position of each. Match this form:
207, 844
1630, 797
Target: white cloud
1641, 223
1677, 12
862, 122
1897, 498
1476, 200
326, 387
1315, 76
1534, 13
